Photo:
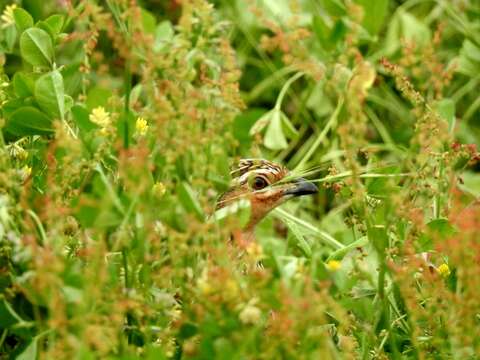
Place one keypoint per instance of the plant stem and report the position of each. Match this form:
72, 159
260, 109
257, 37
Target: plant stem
128, 89
322, 135
285, 87
125, 267
327, 238
39, 225
340, 253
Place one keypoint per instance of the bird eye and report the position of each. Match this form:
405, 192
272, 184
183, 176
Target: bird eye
259, 183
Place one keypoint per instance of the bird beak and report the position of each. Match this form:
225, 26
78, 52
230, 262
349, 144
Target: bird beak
301, 187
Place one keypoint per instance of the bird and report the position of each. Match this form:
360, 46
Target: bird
265, 185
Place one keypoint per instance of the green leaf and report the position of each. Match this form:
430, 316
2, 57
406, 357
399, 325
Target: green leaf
333, 7
322, 32
72, 294
261, 123
338, 32
320, 28
50, 94
9, 107
319, 102
8, 316
153, 353
36, 47
446, 109
23, 19
375, 12
98, 96
163, 34
413, 29
148, 21
441, 228
55, 22
377, 234
29, 121
10, 38
23, 84
68, 103
341, 253
287, 127
30, 352
392, 37
300, 236
274, 137
189, 200
277, 9
469, 59
44, 26
471, 50
471, 183
81, 118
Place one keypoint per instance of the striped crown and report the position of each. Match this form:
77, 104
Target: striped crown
273, 172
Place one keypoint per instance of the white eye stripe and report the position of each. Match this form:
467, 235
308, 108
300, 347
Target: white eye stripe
244, 178
262, 172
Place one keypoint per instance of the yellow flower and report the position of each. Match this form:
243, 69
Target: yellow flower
17, 152
160, 229
7, 16
26, 171
176, 312
250, 315
255, 250
141, 126
100, 117
203, 283
333, 265
444, 270
158, 189
230, 289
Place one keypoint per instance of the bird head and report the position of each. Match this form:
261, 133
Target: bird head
266, 185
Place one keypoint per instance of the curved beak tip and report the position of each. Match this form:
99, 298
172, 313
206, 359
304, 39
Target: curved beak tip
302, 187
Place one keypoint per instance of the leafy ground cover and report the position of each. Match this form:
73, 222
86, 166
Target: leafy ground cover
119, 123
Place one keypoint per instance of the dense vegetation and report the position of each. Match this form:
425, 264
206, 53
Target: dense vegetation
120, 120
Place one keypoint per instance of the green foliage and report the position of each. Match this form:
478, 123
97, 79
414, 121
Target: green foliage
36, 47
119, 120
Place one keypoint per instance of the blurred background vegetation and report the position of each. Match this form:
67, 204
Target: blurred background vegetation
120, 120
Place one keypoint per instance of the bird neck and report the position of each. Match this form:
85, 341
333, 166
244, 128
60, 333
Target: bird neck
245, 236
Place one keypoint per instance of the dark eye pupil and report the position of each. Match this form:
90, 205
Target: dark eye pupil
259, 183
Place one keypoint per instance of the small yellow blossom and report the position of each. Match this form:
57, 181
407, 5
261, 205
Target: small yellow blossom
158, 189
250, 315
17, 152
100, 117
26, 171
333, 265
3, 86
170, 348
230, 289
444, 270
203, 283
176, 313
7, 16
141, 126
255, 250
160, 229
